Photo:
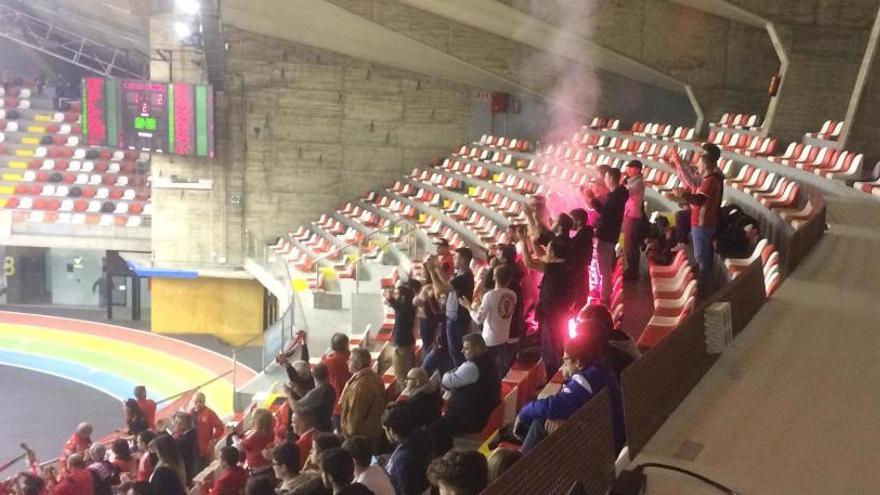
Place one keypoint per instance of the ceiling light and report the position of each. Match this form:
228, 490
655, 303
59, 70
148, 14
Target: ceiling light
182, 30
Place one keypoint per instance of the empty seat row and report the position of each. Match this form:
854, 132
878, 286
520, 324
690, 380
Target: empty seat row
72, 218
76, 191
738, 121
82, 205
830, 130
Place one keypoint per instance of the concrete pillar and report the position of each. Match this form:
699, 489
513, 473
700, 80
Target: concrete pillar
862, 125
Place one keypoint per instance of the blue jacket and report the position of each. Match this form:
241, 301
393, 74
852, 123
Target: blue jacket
576, 392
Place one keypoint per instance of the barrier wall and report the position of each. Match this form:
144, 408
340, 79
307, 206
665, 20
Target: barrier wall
657, 383
230, 309
798, 245
582, 450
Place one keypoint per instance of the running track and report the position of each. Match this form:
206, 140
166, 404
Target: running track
114, 359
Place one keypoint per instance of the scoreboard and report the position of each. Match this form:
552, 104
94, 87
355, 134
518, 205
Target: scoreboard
174, 118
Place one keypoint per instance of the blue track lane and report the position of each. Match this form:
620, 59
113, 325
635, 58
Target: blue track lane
112, 385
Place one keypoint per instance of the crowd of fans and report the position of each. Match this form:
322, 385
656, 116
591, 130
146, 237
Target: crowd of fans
336, 430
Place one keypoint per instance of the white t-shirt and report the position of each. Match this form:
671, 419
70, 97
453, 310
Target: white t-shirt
494, 314
376, 479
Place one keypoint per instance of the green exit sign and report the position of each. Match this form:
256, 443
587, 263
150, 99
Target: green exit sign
145, 123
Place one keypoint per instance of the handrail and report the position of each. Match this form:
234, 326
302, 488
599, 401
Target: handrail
352, 243
191, 389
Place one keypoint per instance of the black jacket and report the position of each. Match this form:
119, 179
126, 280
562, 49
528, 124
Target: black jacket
407, 467
425, 407
610, 214
165, 481
188, 446
320, 400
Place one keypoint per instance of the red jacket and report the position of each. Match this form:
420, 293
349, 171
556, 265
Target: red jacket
282, 422
76, 445
208, 428
304, 444
337, 373
230, 482
145, 468
254, 444
76, 482
148, 407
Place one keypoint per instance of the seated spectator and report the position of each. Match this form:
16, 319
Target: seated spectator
78, 443
147, 406
475, 390
169, 476
412, 452
78, 480
500, 460
232, 476
209, 429
186, 438
260, 485
135, 420
737, 233
660, 247
494, 313
459, 473
620, 350
104, 473
320, 400
370, 475
404, 357
286, 462
337, 471
363, 399
147, 459
122, 458
303, 421
321, 443
586, 374
257, 440
336, 361
422, 397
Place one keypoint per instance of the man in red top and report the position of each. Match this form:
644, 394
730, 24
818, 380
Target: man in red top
336, 362
705, 201
232, 479
209, 429
147, 406
303, 422
77, 481
78, 443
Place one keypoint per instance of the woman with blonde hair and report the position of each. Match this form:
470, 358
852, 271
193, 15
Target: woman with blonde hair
258, 440
169, 477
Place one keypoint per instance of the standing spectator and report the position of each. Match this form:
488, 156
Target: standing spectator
475, 390
187, 441
283, 428
445, 260
78, 443
320, 400
494, 313
303, 421
148, 460
363, 399
581, 255
705, 201
147, 406
209, 429
459, 473
78, 480
232, 476
610, 222
299, 375
429, 312
286, 463
336, 362
555, 297
123, 461
461, 285
169, 477
135, 419
104, 473
422, 397
508, 258
257, 440
404, 357
370, 475
633, 219
337, 471
412, 452
586, 374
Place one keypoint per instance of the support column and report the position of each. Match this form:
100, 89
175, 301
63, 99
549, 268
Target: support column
862, 125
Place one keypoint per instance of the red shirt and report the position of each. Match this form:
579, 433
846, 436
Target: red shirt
77, 482
125, 466
208, 428
706, 214
76, 445
145, 468
230, 482
304, 444
254, 444
337, 373
148, 407
282, 422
